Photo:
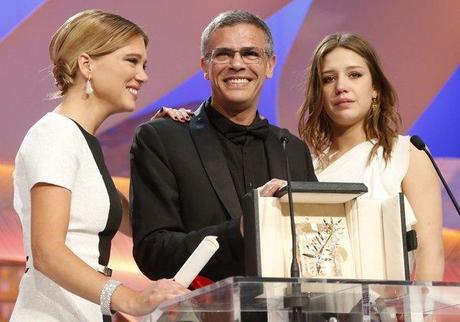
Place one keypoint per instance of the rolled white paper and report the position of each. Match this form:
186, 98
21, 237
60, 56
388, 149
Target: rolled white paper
195, 263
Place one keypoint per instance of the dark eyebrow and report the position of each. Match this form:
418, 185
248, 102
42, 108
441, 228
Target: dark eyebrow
347, 68
228, 48
354, 67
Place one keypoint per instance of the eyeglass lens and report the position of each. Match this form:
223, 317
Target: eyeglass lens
249, 55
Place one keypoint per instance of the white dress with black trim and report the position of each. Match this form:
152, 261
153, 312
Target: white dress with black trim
57, 151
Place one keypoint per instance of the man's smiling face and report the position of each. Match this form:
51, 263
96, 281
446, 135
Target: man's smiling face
236, 84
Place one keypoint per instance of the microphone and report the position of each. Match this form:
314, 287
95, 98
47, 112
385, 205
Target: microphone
295, 299
419, 144
284, 139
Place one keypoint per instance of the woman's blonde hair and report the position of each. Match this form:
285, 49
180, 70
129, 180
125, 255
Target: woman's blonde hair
383, 121
94, 32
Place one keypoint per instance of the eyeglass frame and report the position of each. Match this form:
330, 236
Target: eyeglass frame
264, 53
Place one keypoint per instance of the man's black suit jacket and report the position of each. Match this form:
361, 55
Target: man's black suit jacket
182, 191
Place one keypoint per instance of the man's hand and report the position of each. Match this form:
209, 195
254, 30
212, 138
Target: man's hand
271, 187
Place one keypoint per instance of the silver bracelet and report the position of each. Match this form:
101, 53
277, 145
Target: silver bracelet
106, 296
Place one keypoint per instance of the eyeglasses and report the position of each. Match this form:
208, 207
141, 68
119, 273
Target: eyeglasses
249, 55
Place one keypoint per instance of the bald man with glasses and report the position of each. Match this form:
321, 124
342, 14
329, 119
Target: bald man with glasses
188, 179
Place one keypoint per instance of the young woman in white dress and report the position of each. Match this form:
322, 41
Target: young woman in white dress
350, 122
66, 200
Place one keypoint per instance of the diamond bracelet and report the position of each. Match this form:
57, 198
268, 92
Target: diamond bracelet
106, 296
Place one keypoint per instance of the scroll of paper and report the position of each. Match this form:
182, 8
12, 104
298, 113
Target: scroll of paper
194, 264
197, 260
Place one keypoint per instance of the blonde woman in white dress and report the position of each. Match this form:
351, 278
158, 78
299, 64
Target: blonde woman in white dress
65, 198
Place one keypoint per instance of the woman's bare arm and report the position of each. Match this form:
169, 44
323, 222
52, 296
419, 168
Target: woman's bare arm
421, 186
49, 224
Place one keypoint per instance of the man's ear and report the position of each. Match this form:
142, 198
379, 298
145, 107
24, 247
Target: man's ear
270, 66
204, 67
84, 64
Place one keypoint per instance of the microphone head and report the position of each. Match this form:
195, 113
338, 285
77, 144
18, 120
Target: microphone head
284, 135
417, 142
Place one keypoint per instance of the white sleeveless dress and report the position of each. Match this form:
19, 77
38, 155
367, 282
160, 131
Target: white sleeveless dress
383, 180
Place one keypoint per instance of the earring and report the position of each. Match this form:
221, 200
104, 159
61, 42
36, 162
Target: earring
374, 104
88, 87
205, 76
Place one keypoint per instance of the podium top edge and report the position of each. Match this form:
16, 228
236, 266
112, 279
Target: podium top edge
325, 187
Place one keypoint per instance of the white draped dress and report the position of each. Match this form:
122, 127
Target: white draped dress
382, 179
